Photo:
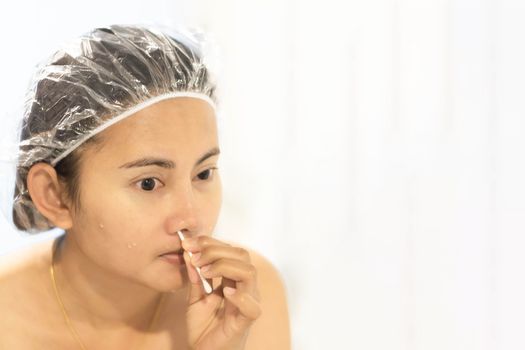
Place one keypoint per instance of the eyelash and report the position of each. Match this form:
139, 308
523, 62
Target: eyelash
210, 177
211, 171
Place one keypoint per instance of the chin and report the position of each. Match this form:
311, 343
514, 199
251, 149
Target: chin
169, 282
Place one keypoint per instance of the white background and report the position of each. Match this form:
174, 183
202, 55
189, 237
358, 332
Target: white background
373, 150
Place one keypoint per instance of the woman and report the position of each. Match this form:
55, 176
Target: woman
119, 148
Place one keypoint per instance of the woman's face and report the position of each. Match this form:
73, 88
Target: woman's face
153, 175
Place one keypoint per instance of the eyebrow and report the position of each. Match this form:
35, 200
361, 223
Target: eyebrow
165, 163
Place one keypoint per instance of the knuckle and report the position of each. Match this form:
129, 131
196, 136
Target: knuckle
219, 264
201, 240
251, 271
243, 253
206, 253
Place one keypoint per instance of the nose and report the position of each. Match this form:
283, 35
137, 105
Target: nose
183, 215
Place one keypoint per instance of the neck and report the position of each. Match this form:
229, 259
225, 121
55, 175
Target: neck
98, 296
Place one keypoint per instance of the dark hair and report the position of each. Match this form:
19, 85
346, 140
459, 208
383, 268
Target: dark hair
68, 170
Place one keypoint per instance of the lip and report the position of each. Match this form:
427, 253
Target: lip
174, 258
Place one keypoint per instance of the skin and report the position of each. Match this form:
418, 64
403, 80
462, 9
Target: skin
109, 270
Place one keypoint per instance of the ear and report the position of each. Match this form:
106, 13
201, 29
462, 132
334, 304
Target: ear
47, 193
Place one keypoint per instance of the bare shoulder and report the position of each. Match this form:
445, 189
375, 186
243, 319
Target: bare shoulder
272, 329
21, 266
267, 273
23, 291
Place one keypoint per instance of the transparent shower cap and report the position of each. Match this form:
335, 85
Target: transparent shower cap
100, 78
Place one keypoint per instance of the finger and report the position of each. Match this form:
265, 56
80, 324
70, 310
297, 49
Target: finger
230, 310
197, 243
226, 282
215, 252
196, 290
244, 274
249, 308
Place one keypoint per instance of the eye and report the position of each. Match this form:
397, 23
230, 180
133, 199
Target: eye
206, 174
148, 184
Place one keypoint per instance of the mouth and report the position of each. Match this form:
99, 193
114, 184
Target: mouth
174, 257
179, 251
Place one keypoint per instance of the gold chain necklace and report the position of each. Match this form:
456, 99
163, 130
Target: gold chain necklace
63, 309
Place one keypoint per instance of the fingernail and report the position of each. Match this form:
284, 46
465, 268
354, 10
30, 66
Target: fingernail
196, 257
205, 269
229, 290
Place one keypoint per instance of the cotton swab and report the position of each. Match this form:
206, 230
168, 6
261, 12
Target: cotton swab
205, 283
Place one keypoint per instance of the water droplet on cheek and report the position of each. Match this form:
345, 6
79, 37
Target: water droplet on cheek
131, 245
101, 225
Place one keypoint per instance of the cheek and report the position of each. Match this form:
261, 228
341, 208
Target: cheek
211, 203
120, 228
218, 196
109, 230
112, 210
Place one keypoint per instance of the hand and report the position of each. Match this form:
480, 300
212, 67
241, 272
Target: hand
220, 320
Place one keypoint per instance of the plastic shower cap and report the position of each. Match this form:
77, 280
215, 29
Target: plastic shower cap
99, 79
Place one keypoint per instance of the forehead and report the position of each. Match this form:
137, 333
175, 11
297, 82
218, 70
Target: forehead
182, 121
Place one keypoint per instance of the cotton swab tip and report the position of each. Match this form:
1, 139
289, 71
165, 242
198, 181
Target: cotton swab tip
207, 287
